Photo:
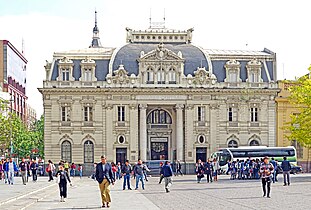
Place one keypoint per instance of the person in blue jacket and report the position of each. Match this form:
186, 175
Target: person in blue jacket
167, 173
286, 167
11, 168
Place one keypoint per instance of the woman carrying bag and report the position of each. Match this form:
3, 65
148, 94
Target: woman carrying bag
62, 178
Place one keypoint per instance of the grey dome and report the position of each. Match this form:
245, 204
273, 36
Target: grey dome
128, 55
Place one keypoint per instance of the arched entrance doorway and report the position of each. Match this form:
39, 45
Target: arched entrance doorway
159, 123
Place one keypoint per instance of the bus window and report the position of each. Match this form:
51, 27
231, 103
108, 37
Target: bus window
224, 158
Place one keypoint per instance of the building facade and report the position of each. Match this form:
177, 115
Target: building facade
284, 111
13, 67
159, 97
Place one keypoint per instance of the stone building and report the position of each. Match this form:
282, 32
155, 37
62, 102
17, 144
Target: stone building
159, 97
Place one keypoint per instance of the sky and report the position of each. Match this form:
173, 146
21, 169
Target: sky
57, 25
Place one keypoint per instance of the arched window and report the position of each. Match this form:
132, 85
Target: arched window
66, 151
149, 75
161, 76
233, 144
159, 116
172, 76
201, 139
254, 143
88, 152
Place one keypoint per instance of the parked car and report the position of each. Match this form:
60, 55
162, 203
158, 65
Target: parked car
295, 169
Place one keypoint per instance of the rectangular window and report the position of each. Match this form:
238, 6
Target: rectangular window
233, 76
88, 75
230, 114
254, 114
149, 76
88, 113
65, 74
253, 77
201, 113
121, 113
161, 76
65, 113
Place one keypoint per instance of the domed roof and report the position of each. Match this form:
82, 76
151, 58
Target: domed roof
128, 55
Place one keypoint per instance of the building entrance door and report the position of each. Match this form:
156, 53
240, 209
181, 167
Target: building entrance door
201, 153
159, 150
121, 155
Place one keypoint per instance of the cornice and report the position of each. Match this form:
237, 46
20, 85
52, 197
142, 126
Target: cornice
168, 91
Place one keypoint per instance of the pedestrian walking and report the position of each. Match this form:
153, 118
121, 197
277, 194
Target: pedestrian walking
126, 170
119, 174
286, 167
1, 169
73, 169
167, 173
34, 168
161, 175
12, 169
273, 162
199, 170
80, 169
145, 170
178, 168
266, 171
105, 177
50, 168
139, 173
62, 180
23, 170
6, 170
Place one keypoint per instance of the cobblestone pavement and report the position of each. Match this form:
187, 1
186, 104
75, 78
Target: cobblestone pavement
185, 194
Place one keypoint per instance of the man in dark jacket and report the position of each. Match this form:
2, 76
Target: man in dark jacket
208, 171
34, 167
126, 171
105, 177
286, 169
167, 174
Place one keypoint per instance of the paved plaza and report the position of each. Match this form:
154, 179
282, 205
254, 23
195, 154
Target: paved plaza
185, 194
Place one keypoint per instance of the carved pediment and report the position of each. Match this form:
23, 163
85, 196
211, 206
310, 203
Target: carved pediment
65, 60
160, 53
202, 77
87, 60
121, 76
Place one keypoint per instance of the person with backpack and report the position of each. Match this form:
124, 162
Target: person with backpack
62, 179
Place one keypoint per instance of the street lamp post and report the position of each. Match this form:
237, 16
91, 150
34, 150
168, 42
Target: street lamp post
11, 140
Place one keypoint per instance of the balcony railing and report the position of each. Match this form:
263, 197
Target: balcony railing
88, 124
233, 124
66, 123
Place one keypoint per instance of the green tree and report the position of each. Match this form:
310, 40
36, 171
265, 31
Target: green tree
300, 126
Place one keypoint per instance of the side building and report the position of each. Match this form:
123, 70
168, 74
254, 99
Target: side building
159, 97
13, 67
284, 110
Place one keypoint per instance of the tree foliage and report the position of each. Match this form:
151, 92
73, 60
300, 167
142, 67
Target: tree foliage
300, 127
24, 138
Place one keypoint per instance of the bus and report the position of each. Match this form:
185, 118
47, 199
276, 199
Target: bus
253, 152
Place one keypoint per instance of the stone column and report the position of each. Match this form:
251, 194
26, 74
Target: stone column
180, 132
143, 131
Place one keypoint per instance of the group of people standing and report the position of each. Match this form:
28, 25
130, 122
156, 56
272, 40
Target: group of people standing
210, 169
9, 169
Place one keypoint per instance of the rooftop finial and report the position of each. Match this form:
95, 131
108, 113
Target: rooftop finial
96, 39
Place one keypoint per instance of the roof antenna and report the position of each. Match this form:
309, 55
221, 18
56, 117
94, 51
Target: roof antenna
164, 18
23, 46
150, 19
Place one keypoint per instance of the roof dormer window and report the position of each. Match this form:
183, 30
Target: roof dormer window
65, 70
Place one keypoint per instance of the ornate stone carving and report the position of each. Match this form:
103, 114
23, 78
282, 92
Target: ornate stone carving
203, 77
120, 76
233, 71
